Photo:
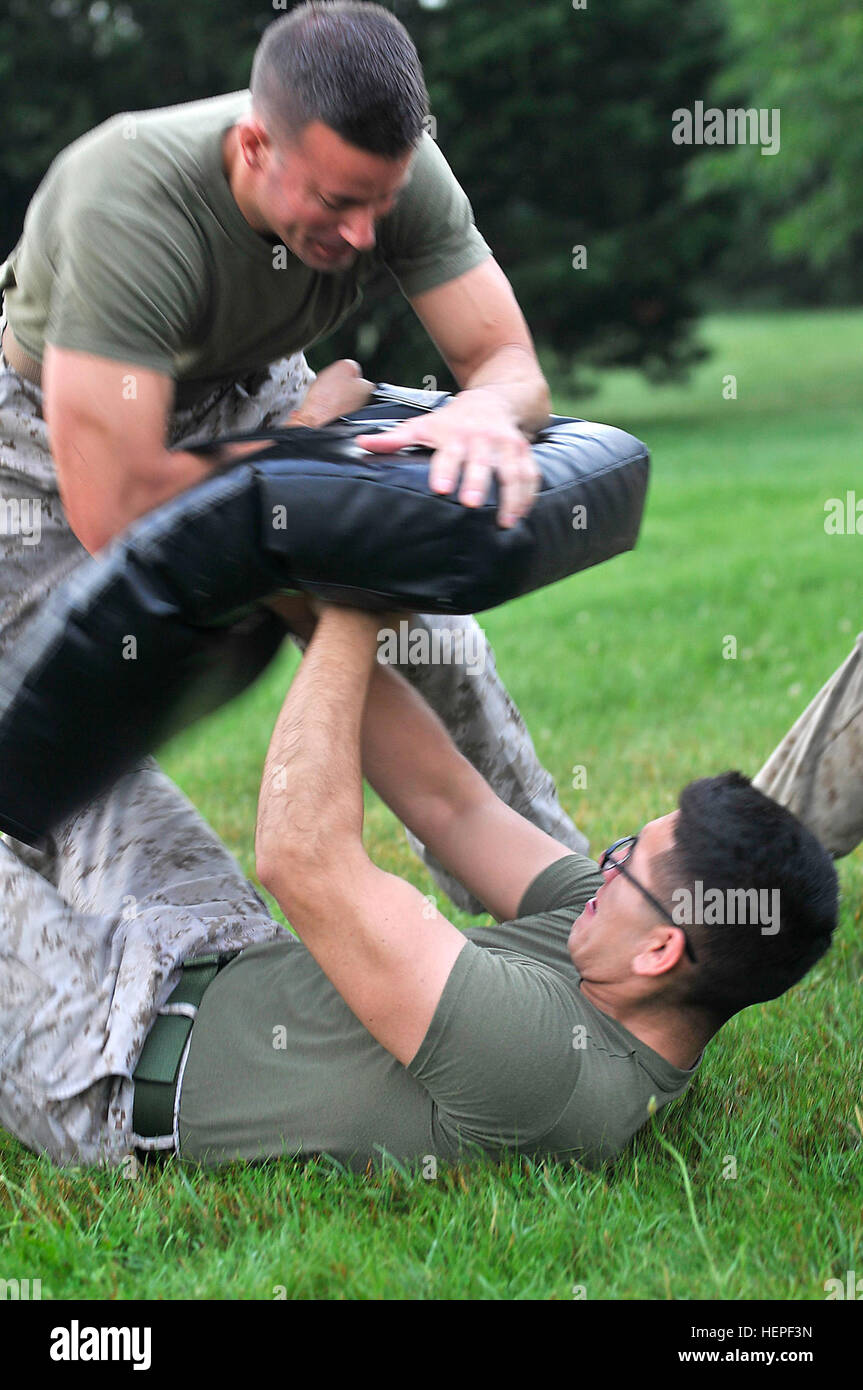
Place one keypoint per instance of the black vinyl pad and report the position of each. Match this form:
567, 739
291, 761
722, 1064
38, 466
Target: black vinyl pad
165, 624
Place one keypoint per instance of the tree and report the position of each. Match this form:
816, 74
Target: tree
798, 221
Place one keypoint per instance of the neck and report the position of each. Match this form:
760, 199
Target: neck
675, 1033
237, 176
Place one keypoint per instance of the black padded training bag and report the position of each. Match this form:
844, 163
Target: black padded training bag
165, 624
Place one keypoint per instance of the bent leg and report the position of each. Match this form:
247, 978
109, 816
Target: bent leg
86, 963
55, 990
817, 769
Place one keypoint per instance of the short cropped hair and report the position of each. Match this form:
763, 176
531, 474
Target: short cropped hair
351, 66
731, 839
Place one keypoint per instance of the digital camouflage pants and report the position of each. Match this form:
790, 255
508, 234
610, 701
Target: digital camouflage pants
817, 769
94, 928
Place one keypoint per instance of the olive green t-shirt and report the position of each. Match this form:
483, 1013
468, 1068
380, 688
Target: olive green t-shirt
134, 248
515, 1057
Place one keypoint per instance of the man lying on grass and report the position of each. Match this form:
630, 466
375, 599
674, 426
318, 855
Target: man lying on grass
384, 1029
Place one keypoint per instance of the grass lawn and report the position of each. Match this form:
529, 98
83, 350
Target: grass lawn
620, 672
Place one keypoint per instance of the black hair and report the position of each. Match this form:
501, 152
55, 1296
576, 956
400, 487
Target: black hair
731, 839
352, 66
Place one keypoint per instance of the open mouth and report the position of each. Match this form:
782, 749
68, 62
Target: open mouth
329, 251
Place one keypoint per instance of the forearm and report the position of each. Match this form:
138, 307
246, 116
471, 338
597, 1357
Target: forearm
513, 376
411, 761
311, 801
223, 455
115, 500
413, 764
173, 472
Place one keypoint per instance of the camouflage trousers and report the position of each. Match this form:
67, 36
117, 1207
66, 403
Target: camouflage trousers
817, 769
94, 927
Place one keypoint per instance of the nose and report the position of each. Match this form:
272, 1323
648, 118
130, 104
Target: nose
358, 229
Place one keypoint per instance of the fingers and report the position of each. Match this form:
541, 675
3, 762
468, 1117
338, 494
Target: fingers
388, 441
511, 460
445, 466
472, 455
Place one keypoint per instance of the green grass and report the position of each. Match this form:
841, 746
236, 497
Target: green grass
620, 671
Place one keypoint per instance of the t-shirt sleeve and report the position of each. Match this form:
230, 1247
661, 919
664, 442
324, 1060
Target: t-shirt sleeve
118, 295
569, 882
431, 237
497, 1058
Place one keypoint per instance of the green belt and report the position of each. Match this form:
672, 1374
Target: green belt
158, 1067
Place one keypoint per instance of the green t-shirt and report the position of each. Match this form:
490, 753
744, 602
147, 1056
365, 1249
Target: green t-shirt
515, 1056
134, 249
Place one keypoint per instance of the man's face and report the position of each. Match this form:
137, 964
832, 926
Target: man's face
614, 925
322, 197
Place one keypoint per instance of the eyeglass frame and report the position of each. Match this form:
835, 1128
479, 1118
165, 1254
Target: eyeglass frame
605, 861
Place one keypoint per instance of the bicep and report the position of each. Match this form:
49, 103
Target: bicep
107, 423
471, 317
383, 946
495, 852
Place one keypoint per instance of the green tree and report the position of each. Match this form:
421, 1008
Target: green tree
797, 228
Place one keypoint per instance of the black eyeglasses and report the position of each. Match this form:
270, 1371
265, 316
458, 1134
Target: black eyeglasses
615, 857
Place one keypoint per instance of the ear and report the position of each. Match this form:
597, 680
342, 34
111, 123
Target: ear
255, 143
661, 951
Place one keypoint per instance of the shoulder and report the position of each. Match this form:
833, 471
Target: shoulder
432, 179
138, 158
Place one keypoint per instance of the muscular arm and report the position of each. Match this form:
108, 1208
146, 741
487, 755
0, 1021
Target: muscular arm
414, 766
476, 323
107, 423
369, 931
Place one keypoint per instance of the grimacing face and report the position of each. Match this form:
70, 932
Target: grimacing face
617, 924
319, 195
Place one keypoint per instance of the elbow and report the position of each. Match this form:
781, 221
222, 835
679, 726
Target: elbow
91, 516
85, 523
301, 878
269, 863
267, 871
289, 872
295, 885
91, 535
